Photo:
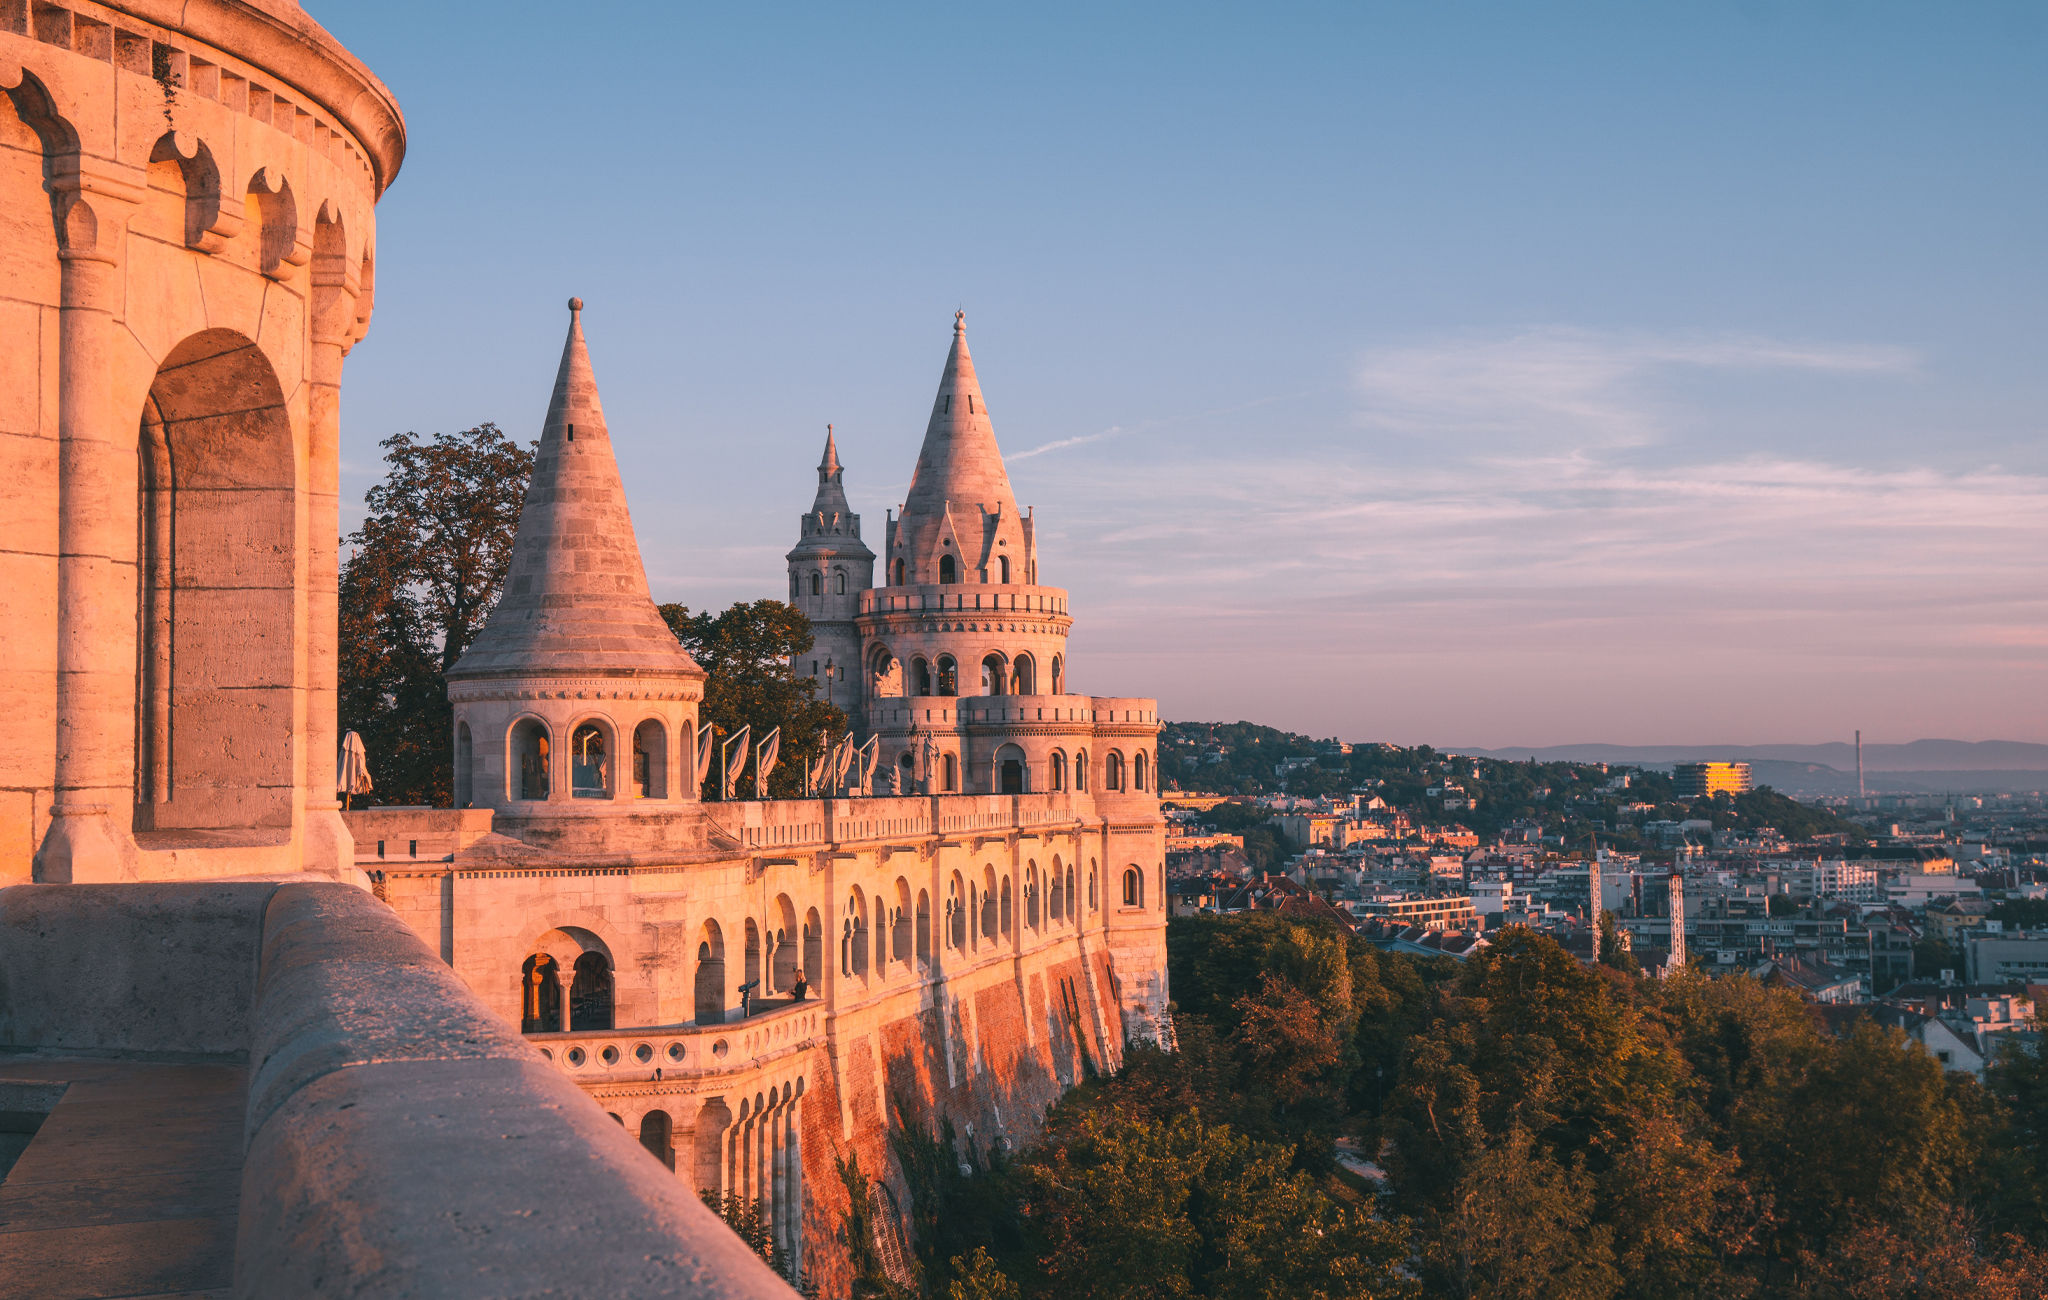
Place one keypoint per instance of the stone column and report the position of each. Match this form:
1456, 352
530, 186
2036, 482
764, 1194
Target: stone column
90, 837
326, 846
793, 1212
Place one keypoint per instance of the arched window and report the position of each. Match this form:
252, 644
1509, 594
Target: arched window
956, 914
1023, 676
1070, 892
1134, 887
952, 767
949, 570
532, 759
922, 671
1004, 561
541, 995
924, 928
992, 675
1059, 770
710, 986
839, 582
1081, 772
1113, 771
1091, 884
650, 760
949, 676
1054, 903
465, 762
817, 584
1006, 905
899, 573
590, 769
1059, 676
793, 590
590, 997
1138, 770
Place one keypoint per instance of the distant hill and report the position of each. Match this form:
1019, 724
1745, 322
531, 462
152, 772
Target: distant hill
1920, 759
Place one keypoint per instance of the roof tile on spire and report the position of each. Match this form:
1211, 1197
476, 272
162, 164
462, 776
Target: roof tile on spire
959, 461
576, 598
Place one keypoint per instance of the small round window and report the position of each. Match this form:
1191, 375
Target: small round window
610, 1055
575, 1057
675, 1051
643, 1053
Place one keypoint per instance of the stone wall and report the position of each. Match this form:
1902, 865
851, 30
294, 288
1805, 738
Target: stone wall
187, 252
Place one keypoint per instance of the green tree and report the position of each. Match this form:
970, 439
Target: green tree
1520, 1226
423, 574
976, 1277
746, 654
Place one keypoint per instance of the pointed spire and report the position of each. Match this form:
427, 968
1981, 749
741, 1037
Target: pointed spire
959, 461
831, 498
576, 598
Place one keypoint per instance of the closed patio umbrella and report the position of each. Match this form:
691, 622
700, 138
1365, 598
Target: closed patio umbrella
352, 775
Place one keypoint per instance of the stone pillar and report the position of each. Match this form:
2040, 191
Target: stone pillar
326, 845
793, 1213
90, 837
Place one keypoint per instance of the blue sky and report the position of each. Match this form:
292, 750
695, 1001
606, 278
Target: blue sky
1478, 374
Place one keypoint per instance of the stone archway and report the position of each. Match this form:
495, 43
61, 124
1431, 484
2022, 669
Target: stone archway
217, 584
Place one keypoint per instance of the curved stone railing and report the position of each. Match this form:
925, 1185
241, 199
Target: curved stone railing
400, 1139
403, 1138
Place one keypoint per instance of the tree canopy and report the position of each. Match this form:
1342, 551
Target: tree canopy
746, 654
423, 574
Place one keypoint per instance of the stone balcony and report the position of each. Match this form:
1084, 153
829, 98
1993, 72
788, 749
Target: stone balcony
270, 1088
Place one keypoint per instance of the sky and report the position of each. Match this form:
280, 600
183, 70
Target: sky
1473, 374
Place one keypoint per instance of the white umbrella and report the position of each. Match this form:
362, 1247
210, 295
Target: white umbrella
764, 761
735, 758
352, 774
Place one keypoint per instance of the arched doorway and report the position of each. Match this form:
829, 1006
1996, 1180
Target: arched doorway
710, 991
590, 997
657, 1134
217, 586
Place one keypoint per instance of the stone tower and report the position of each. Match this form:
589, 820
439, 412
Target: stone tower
828, 569
189, 193
576, 707
964, 652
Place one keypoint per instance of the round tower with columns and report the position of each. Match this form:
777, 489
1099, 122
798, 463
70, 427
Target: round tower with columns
965, 676
828, 569
576, 707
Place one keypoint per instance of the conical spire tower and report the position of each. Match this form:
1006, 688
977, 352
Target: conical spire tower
960, 462
576, 599
831, 499
960, 515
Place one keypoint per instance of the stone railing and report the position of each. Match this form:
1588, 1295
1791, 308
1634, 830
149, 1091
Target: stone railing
686, 1051
966, 598
398, 1138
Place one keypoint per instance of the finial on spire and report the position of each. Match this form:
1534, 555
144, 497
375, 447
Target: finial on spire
830, 465
575, 306
960, 322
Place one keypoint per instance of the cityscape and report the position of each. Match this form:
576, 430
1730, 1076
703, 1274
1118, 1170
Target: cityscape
765, 519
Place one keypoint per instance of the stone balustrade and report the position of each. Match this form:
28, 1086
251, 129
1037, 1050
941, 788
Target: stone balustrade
398, 1138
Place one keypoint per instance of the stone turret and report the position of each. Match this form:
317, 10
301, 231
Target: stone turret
576, 699
960, 507
828, 569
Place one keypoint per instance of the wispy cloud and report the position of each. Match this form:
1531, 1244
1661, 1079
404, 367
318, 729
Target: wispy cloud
1596, 389
1561, 565
1064, 443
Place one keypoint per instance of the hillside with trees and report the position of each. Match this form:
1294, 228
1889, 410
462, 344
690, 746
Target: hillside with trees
1542, 1129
